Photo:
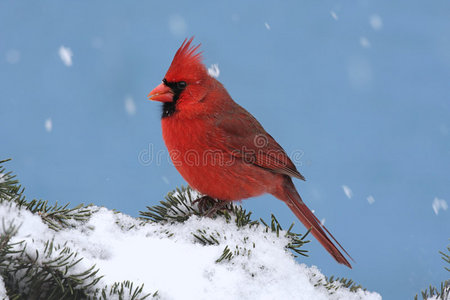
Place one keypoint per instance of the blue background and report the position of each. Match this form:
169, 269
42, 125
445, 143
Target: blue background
372, 117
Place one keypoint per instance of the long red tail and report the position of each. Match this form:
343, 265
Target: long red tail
320, 232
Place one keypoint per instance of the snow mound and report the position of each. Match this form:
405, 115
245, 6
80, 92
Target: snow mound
168, 259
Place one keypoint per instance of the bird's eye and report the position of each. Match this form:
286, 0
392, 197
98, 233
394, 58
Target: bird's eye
181, 84
164, 81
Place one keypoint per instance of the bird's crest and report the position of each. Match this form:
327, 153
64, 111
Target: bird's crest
187, 63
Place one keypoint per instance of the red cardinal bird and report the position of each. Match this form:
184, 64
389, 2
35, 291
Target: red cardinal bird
220, 149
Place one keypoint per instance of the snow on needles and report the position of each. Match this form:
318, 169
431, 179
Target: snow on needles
124, 248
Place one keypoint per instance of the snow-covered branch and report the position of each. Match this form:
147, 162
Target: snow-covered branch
171, 252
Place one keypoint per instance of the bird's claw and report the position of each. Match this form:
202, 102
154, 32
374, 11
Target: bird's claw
208, 206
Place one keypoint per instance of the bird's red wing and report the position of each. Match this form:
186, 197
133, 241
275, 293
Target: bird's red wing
244, 137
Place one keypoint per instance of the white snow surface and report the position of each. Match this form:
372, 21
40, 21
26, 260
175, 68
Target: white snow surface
176, 266
66, 55
2, 289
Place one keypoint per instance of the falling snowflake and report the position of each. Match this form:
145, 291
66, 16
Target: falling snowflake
130, 106
376, 22
177, 25
370, 199
66, 55
165, 179
48, 125
13, 56
364, 42
267, 25
359, 73
347, 191
214, 71
439, 204
334, 15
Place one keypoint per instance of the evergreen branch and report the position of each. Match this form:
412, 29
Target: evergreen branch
52, 275
55, 271
122, 290
227, 254
56, 217
446, 257
444, 292
242, 217
344, 282
178, 206
296, 240
205, 239
10, 190
333, 284
432, 292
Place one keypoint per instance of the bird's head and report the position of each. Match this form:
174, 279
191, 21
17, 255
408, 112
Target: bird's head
185, 81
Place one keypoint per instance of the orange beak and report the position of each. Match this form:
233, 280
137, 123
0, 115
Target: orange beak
161, 93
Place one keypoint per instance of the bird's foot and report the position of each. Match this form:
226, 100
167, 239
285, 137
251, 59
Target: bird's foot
204, 203
220, 204
208, 206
